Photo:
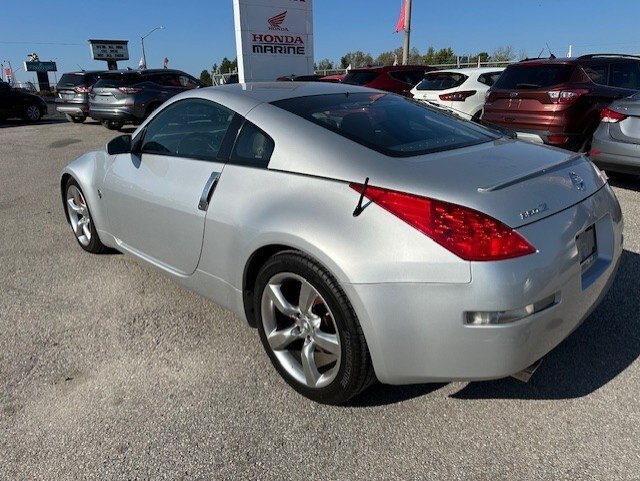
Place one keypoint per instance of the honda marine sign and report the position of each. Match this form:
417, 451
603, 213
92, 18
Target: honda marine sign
274, 38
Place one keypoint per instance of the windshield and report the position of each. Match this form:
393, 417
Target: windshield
389, 124
115, 80
534, 76
442, 81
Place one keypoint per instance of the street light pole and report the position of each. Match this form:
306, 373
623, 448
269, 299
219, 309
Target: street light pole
144, 55
407, 33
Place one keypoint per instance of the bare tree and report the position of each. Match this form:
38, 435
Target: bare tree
503, 54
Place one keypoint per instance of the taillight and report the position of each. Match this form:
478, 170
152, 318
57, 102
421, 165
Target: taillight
566, 96
467, 233
129, 90
558, 139
83, 89
611, 116
457, 96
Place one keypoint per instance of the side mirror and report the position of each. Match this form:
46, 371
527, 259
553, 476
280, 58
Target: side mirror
120, 145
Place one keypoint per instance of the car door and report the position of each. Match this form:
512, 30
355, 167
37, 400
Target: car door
6, 101
157, 197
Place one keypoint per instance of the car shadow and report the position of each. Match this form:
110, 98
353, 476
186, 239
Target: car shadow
24, 123
628, 183
599, 350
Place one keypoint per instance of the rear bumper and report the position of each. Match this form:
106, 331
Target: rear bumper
73, 108
122, 114
610, 154
416, 332
572, 142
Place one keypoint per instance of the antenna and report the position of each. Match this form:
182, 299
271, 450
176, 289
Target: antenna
551, 55
540, 54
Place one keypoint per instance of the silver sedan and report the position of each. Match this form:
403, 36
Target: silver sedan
366, 236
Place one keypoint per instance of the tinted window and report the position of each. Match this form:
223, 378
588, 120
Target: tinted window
73, 80
359, 78
190, 128
597, 73
253, 147
389, 124
625, 75
115, 80
4, 87
188, 82
442, 81
411, 77
533, 76
489, 78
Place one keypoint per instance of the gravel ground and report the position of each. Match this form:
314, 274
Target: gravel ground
110, 371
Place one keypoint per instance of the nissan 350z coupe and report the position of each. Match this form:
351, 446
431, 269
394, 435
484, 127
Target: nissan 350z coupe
365, 235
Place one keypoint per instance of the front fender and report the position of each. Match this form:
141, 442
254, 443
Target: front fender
89, 171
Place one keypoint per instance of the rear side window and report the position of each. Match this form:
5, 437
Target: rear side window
118, 80
625, 75
442, 81
191, 128
411, 77
387, 123
528, 76
253, 147
597, 73
359, 78
489, 78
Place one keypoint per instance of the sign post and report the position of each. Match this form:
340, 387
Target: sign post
274, 38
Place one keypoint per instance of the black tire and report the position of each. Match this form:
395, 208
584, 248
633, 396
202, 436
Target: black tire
355, 372
32, 113
113, 124
95, 246
150, 109
75, 119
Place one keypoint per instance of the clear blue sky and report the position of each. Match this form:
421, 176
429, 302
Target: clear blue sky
200, 32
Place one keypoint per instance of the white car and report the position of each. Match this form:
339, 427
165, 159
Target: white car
459, 90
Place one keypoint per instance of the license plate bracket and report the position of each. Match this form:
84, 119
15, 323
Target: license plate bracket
587, 245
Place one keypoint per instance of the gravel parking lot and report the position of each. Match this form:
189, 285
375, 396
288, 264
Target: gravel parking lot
110, 371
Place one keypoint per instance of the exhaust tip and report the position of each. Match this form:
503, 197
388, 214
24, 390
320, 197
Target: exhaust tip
527, 372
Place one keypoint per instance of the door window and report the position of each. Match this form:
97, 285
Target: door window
597, 73
193, 128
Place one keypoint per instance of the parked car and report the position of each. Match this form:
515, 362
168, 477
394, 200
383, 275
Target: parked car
616, 142
129, 96
558, 101
335, 78
299, 78
73, 94
399, 79
16, 103
460, 90
405, 245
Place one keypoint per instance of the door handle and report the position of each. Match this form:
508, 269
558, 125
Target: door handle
209, 187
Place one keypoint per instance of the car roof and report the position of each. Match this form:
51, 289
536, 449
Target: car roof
388, 68
143, 72
85, 72
469, 70
273, 91
590, 58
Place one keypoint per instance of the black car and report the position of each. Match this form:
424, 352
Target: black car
16, 103
129, 96
73, 94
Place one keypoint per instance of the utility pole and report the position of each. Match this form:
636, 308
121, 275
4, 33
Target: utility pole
407, 33
144, 55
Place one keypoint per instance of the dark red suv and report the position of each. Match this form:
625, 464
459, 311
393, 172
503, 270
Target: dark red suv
558, 101
399, 79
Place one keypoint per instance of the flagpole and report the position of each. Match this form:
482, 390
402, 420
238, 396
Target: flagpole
407, 33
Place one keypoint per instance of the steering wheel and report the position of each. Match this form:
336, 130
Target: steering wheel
197, 143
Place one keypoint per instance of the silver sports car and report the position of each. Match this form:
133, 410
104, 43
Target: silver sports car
365, 235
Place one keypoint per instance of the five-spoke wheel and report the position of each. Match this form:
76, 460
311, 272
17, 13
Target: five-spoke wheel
79, 217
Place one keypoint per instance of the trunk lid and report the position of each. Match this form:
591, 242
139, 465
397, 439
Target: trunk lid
107, 88
627, 130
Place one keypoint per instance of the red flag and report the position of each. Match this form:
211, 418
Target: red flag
403, 17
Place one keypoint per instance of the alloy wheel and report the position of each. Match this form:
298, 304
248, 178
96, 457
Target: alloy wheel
300, 330
79, 215
33, 113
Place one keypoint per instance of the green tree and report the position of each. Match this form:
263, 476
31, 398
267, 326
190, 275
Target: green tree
503, 54
442, 56
356, 59
205, 77
228, 66
325, 64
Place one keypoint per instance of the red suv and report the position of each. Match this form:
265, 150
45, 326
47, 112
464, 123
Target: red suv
399, 79
558, 101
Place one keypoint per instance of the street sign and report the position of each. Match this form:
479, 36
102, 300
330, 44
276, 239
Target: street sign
274, 38
40, 67
109, 50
